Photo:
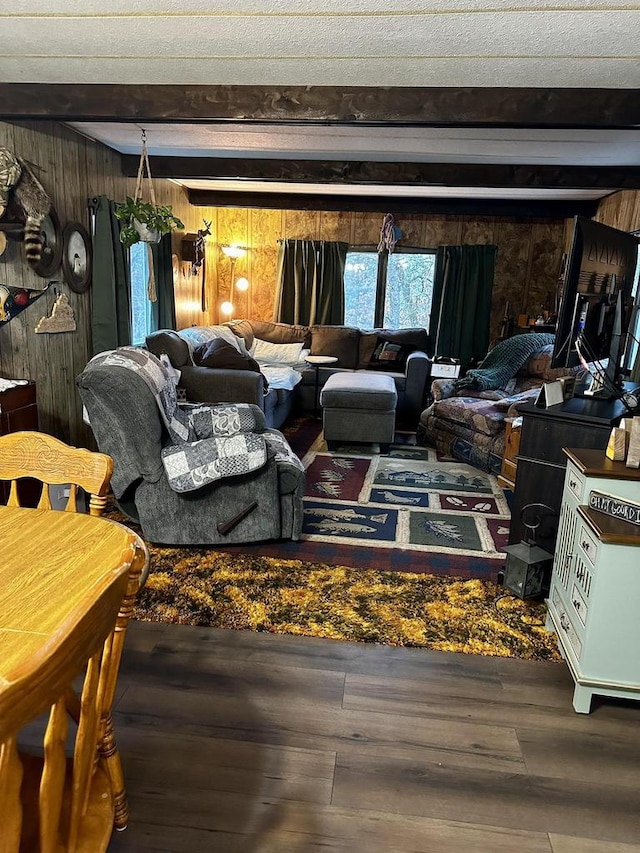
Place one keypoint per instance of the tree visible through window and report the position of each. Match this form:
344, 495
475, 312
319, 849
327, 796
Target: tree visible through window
389, 290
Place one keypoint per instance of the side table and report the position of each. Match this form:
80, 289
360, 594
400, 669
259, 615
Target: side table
317, 361
507, 476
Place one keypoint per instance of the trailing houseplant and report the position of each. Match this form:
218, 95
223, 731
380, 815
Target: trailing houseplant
143, 221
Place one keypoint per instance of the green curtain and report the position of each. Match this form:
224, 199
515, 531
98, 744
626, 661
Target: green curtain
461, 304
110, 292
163, 311
310, 282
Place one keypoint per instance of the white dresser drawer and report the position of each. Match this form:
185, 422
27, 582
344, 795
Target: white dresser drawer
579, 605
588, 544
575, 482
566, 632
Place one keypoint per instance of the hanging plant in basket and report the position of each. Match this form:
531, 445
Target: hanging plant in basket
145, 221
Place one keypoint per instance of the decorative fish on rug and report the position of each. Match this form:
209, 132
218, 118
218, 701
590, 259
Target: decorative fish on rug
326, 526
455, 501
397, 499
346, 514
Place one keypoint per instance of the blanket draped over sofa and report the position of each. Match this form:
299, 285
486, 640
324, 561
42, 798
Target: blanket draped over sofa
503, 362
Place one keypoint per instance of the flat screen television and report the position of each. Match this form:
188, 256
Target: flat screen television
596, 304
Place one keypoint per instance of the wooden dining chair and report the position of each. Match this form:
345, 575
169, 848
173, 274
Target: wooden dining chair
42, 457
52, 462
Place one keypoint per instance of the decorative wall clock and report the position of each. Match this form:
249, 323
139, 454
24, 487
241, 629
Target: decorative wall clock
77, 256
51, 246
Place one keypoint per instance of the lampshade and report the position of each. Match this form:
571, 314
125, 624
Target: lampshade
234, 251
242, 284
227, 308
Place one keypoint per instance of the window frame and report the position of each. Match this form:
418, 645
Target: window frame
382, 270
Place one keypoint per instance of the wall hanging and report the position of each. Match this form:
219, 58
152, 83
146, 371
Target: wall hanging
13, 300
43, 244
77, 256
62, 318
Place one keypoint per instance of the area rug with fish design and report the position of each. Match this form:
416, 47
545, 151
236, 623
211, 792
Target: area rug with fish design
406, 511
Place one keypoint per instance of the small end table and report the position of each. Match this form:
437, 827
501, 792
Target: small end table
317, 361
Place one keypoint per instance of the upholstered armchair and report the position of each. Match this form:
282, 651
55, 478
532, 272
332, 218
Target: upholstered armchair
237, 484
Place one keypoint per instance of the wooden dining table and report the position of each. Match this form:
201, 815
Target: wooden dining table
67, 585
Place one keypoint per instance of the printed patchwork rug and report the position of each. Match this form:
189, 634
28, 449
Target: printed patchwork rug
406, 510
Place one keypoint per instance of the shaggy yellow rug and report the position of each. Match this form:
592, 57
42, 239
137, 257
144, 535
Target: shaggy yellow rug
201, 586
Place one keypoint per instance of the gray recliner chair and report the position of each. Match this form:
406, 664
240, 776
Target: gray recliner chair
262, 504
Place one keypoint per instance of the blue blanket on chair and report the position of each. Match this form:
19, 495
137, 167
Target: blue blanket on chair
503, 362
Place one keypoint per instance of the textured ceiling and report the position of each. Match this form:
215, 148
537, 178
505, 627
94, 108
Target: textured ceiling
363, 43
587, 43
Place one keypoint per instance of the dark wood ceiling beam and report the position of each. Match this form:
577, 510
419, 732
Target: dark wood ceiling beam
397, 204
408, 174
481, 106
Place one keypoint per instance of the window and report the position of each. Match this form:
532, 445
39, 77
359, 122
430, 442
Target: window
142, 318
388, 290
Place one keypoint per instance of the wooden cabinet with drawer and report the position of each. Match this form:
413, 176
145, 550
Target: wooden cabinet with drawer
19, 411
595, 585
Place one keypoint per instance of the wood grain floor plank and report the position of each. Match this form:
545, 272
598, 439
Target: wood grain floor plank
606, 811
256, 716
289, 827
227, 765
513, 706
419, 752
567, 844
589, 756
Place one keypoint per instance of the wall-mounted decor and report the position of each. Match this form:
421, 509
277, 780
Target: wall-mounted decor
13, 300
62, 318
77, 256
49, 235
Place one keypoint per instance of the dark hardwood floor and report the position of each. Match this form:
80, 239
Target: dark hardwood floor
252, 743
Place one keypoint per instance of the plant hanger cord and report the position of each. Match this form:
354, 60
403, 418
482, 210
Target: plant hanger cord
144, 162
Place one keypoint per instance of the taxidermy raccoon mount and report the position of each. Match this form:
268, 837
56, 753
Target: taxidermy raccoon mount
27, 194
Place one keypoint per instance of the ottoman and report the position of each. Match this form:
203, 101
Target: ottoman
359, 407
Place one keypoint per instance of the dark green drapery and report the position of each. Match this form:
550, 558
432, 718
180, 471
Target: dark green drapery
163, 312
310, 282
461, 305
110, 308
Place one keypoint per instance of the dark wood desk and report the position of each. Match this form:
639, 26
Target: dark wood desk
581, 422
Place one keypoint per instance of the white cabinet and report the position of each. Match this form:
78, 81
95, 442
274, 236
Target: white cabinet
594, 598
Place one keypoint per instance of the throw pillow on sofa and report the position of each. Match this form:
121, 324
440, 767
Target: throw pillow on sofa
390, 356
416, 338
267, 352
340, 341
218, 353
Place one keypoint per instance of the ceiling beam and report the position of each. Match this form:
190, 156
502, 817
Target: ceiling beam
409, 174
439, 107
399, 205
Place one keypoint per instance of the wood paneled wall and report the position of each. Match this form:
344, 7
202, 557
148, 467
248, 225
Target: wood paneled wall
73, 169
527, 263
620, 210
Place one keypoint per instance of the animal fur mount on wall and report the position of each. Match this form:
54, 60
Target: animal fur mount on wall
9, 175
31, 203
62, 318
